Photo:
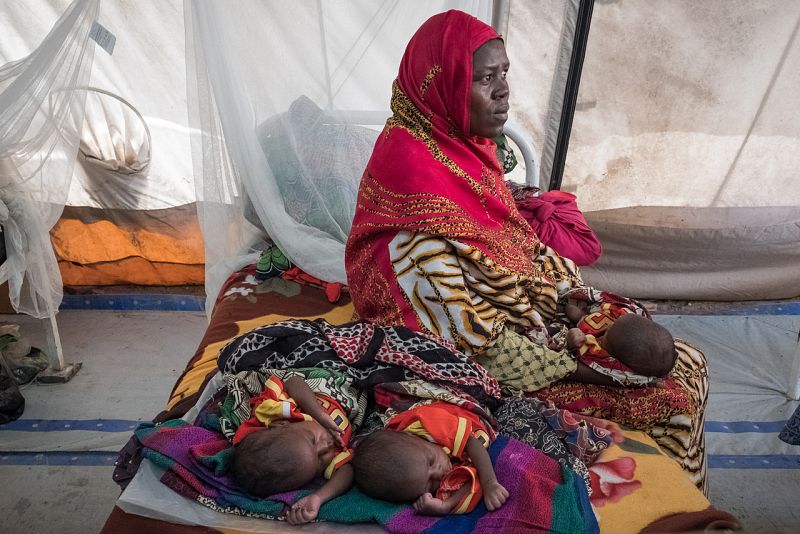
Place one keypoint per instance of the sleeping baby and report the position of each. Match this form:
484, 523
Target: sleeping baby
411, 461
296, 434
620, 348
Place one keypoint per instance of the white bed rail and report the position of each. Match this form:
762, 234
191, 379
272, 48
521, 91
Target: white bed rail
512, 130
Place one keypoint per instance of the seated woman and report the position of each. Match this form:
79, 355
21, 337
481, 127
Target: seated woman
437, 243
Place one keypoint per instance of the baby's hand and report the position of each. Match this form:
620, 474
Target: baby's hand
305, 510
334, 430
575, 338
427, 504
573, 312
494, 495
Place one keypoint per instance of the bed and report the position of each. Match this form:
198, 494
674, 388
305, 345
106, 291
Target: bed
637, 482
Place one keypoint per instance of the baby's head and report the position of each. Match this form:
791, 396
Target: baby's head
398, 467
283, 457
642, 344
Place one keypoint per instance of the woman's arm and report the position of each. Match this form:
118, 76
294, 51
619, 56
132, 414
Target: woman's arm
306, 509
494, 494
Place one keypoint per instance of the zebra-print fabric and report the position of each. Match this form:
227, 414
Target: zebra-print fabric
460, 294
682, 437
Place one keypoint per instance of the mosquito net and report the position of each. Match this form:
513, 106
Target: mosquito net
290, 97
42, 100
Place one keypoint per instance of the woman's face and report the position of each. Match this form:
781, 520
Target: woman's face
489, 104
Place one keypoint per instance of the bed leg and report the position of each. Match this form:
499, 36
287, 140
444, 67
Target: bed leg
58, 371
794, 376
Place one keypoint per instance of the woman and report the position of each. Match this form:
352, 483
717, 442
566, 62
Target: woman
437, 243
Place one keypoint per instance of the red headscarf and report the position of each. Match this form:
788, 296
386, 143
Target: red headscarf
428, 175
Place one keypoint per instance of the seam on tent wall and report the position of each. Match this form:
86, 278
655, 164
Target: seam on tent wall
179, 302
759, 111
135, 302
68, 425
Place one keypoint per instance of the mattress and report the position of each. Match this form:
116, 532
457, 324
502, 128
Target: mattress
636, 483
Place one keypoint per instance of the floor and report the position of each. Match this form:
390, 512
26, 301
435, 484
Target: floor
89, 418
116, 386
754, 475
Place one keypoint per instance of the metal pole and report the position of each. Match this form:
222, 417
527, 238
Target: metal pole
500, 11
571, 91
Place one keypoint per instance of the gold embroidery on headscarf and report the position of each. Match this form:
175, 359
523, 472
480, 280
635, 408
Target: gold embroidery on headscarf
436, 69
408, 117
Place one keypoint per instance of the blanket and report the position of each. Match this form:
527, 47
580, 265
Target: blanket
545, 497
633, 470
366, 353
402, 368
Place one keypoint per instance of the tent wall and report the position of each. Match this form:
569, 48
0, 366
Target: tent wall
717, 253
691, 105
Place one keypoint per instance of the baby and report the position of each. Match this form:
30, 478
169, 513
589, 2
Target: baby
296, 435
411, 461
618, 347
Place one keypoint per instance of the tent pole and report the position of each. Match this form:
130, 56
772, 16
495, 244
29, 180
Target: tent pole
500, 11
571, 91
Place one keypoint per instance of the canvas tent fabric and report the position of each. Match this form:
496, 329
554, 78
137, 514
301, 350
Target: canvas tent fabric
685, 148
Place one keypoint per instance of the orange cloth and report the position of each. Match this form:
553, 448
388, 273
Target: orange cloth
449, 426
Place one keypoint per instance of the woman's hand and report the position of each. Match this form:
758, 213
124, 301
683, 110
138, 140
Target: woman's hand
305, 510
427, 504
494, 495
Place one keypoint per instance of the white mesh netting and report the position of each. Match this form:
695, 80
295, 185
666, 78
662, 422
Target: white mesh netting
42, 100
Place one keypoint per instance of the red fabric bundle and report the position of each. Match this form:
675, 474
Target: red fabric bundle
558, 222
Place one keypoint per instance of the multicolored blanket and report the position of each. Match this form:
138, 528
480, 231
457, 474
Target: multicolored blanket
545, 497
